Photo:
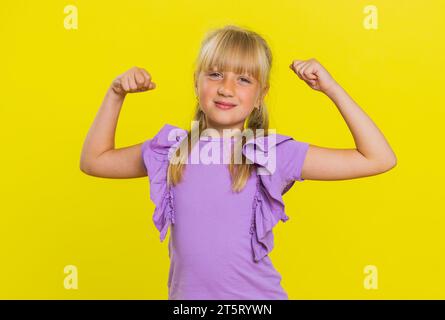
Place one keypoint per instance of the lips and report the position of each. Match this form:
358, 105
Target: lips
224, 104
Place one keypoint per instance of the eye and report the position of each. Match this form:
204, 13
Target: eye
245, 79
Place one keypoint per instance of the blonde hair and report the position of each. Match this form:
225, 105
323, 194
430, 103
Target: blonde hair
241, 51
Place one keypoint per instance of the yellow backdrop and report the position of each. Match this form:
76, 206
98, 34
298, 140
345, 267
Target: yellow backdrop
380, 237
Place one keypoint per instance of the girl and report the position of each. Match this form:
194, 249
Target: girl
222, 217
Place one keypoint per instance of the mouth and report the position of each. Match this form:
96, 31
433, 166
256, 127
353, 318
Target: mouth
224, 105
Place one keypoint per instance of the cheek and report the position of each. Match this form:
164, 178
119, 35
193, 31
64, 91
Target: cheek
246, 109
208, 93
248, 98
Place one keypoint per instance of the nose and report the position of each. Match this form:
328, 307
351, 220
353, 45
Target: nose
226, 87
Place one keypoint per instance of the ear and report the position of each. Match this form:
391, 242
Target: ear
263, 94
265, 91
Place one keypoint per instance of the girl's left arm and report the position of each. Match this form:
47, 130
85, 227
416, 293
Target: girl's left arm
372, 154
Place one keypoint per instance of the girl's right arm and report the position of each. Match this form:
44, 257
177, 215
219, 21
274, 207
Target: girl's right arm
99, 157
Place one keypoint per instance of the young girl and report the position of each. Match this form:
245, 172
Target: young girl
222, 216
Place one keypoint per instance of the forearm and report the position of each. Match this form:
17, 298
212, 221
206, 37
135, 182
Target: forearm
369, 140
101, 135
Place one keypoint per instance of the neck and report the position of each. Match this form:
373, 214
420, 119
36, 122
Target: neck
220, 128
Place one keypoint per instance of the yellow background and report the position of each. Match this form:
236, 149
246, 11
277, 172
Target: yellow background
53, 81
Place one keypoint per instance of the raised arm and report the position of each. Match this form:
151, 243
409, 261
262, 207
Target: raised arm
372, 154
99, 157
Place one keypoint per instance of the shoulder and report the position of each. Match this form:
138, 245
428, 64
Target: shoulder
157, 150
167, 136
168, 133
277, 154
282, 145
287, 145
290, 156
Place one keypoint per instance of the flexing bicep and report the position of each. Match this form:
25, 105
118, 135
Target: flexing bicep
120, 163
338, 164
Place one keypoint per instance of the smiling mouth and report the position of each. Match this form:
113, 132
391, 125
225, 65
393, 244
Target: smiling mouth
224, 106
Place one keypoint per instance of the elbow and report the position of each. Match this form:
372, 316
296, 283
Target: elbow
392, 161
388, 164
85, 166
90, 164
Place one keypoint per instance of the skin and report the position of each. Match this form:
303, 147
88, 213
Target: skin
372, 154
242, 90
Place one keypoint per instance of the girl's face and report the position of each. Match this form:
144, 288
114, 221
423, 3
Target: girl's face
242, 91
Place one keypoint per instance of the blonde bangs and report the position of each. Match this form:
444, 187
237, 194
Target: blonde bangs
235, 50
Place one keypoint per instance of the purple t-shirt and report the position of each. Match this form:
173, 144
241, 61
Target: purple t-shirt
219, 240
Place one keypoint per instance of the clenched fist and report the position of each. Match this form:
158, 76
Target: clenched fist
314, 74
134, 80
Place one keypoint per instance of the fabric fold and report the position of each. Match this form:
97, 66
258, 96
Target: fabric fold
156, 153
268, 204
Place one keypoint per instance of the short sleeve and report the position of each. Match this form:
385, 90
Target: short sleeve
156, 153
279, 160
291, 155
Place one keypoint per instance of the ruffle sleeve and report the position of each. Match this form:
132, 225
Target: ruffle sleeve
279, 161
156, 153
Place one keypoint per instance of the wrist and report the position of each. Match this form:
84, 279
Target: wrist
332, 89
115, 94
